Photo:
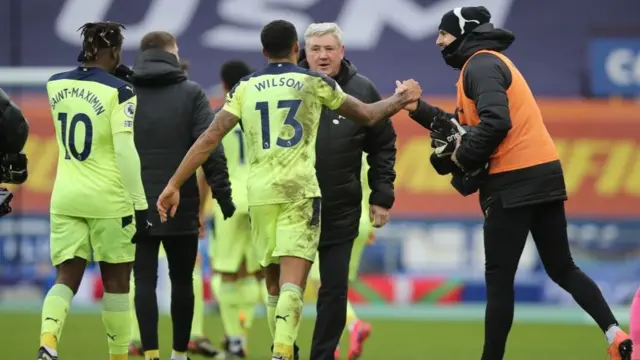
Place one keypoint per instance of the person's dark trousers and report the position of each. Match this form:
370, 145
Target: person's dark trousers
332, 299
505, 235
181, 253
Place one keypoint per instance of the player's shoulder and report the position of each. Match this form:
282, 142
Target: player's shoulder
241, 83
101, 80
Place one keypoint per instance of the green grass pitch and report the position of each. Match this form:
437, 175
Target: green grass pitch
84, 338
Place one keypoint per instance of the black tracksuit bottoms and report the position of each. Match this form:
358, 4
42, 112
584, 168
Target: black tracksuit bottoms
505, 235
181, 255
331, 305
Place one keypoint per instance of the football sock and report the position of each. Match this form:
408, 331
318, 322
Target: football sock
634, 326
116, 317
230, 300
216, 281
54, 313
272, 303
250, 295
287, 320
135, 328
352, 318
197, 326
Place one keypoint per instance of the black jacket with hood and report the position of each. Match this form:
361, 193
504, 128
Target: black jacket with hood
172, 113
530, 185
339, 148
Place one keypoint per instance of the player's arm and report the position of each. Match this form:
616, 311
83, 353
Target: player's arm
348, 106
225, 120
215, 167
127, 158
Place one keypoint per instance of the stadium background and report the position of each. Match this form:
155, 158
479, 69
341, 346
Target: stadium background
582, 60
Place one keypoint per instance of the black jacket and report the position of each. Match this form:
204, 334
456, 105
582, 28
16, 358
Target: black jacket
172, 113
486, 79
339, 149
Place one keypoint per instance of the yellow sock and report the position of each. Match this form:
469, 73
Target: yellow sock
197, 326
272, 302
119, 357
152, 354
287, 320
135, 328
250, 290
351, 316
116, 317
54, 313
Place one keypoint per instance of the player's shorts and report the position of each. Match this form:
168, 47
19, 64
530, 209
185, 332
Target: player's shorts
232, 244
289, 229
100, 240
364, 231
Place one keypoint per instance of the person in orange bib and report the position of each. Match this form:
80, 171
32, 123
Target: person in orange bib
496, 142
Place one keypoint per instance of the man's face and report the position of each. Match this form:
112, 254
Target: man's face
324, 54
444, 39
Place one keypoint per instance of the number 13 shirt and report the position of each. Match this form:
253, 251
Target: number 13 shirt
280, 108
89, 106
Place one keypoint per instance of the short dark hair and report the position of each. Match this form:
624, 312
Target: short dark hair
232, 71
159, 40
277, 38
97, 36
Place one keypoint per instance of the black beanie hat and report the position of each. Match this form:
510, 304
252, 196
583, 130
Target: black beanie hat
461, 21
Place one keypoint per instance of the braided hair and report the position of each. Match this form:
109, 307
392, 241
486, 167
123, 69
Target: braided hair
97, 36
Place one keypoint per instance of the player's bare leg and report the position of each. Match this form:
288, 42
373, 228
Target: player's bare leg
56, 306
116, 313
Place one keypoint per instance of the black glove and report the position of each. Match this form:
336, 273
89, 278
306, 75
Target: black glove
123, 72
227, 207
143, 226
468, 183
443, 165
445, 135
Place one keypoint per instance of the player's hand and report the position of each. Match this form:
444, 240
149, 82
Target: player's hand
378, 215
412, 90
123, 72
143, 226
227, 207
168, 202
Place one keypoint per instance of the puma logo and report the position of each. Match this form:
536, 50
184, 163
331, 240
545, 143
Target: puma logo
283, 318
112, 337
52, 319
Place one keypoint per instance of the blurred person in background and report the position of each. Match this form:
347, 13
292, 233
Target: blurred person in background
173, 112
199, 343
524, 190
233, 254
346, 224
98, 204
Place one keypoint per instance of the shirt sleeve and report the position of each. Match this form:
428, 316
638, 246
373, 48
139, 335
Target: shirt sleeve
233, 100
124, 110
128, 163
329, 92
127, 158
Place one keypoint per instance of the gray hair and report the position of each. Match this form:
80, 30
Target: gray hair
321, 29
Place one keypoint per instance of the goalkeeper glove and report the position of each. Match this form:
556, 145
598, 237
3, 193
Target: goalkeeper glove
123, 72
143, 226
446, 136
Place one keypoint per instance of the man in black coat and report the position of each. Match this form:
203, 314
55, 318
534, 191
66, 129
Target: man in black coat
172, 113
339, 150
